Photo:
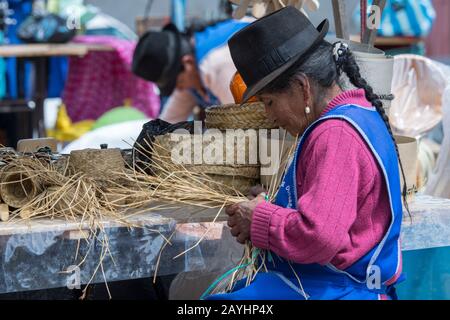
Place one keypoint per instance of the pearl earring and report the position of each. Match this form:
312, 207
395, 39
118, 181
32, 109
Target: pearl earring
308, 110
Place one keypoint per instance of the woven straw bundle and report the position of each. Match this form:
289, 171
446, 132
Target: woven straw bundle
240, 177
99, 164
65, 202
20, 184
251, 172
234, 116
62, 166
243, 150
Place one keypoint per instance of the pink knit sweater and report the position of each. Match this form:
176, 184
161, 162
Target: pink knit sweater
343, 206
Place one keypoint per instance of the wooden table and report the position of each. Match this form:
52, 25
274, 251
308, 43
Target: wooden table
49, 50
38, 54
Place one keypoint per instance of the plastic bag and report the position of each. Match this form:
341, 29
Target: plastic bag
48, 28
418, 85
439, 181
158, 127
191, 285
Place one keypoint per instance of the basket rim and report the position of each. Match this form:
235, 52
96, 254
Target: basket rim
246, 107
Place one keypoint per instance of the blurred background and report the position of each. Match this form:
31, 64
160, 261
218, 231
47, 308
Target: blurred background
41, 96
66, 73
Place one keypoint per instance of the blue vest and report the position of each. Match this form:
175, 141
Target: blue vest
373, 274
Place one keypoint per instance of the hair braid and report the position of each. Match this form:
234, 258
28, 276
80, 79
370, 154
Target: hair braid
351, 68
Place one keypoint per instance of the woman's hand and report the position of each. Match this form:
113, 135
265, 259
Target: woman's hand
255, 191
240, 218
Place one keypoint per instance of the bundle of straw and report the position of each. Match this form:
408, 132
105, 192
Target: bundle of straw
19, 183
74, 197
235, 116
239, 176
178, 184
82, 197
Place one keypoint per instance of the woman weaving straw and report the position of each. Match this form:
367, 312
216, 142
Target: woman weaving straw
333, 229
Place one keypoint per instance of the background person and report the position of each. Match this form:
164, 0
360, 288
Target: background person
193, 69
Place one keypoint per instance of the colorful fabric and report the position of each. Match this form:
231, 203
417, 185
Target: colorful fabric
102, 80
21, 10
405, 18
276, 286
65, 130
58, 68
386, 255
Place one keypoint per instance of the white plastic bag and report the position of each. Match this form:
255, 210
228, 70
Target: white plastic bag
418, 85
439, 181
119, 135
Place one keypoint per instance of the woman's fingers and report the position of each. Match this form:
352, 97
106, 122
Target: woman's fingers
235, 231
231, 210
242, 238
240, 226
232, 221
255, 191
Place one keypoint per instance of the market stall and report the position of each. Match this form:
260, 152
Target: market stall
39, 55
306, 174
41, 255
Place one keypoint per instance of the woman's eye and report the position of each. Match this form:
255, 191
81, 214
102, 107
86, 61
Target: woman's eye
269, 103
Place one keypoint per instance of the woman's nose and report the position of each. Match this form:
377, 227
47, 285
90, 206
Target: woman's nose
268, 112
270, 116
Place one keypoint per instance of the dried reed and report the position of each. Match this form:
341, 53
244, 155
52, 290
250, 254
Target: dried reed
81, 198
77, 197
175, 183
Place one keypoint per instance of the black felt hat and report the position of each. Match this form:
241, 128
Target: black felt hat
269, 46
158, 55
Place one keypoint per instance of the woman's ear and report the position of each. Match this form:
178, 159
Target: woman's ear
305, 86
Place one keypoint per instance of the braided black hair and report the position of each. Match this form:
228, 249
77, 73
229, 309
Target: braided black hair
321, 67
351, 69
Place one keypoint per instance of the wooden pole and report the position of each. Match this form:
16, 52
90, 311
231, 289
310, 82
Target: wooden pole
340, 20
371, 34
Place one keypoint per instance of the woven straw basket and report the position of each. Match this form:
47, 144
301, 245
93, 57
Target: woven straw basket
19, 186
97, 163
239, 177
407, 148
243, 150
235, 116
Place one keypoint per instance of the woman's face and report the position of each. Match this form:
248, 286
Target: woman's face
287, 109
189, 77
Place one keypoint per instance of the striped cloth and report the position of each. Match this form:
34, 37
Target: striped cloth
410, 18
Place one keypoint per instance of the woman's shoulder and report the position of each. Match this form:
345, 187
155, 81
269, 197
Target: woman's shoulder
334, 139
333, 129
